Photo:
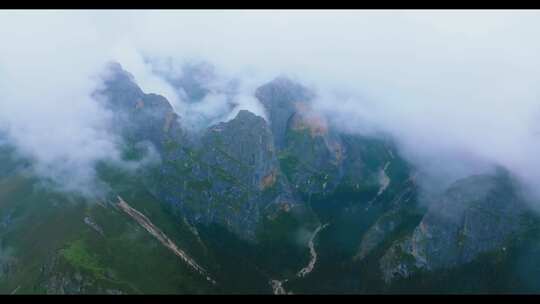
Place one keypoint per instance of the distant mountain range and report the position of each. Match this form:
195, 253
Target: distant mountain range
286, 204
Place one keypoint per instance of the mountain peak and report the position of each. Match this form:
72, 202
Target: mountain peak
246, 114
280, 98
283, 90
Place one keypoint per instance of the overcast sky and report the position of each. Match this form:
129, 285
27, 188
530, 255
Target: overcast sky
458, 89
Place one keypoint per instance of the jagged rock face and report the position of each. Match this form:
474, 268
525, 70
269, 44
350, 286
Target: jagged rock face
475, 215
365, 160
314, 156
279, 97
238, 168
383, 228
397, 191
136, 115
228, 176
120, 89
316, 150
308, 169
248, 138
232, 179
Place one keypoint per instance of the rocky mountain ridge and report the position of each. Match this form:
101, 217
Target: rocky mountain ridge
306, 207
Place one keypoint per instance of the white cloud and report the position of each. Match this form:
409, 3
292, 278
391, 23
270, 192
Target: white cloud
459, 89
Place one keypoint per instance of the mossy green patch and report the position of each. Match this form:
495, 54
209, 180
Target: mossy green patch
78, 256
